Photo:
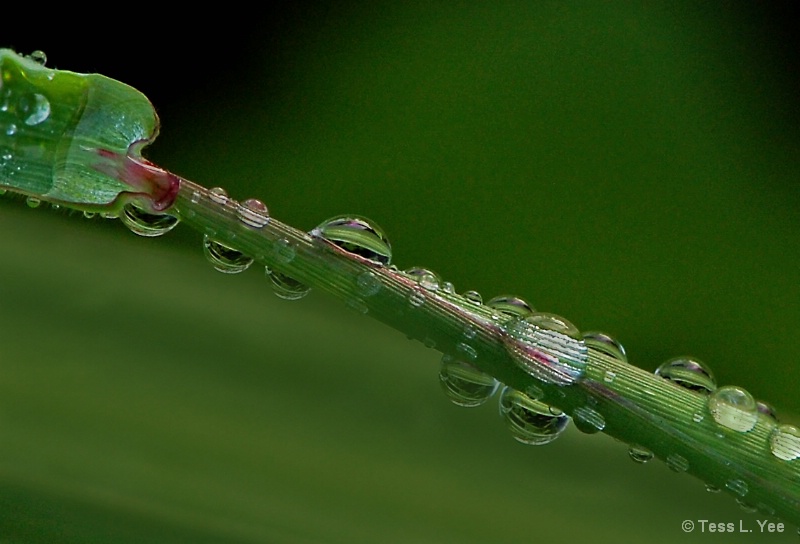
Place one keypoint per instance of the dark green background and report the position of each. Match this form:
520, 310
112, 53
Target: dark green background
633, 169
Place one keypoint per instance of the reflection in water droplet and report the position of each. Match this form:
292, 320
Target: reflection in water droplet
285, 287
737, 486
530, 421
146, 224
427, 279
33, 202
33, 109
368, 284
689, 373
218, 195
640, 454
474, 297
677, 462
588, 420
253, 212
511, 306
464, 384
734, 408
357, 235
225, 259
784, 442
604, 343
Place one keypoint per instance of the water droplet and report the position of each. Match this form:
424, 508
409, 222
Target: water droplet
427, 279
33, 202
33, 109
218, 195
469, 331
746, 507
588, 420
39, 57
535, 392
464, 384
416, 298
11, 129
146, 224
737, 486
785, 442
89, 215
698, 417
449, 288
640, 454
284, 251
368, 284
6, 154
223, 258
548, 347
677, 462
3, 191
195, 197
356, 235
734, 408
253, 212
285, 287
604, 343
766, 409
712, 488
689, 373
359, 306
467, 351
511, 306
609, 376
473, 297
530, 421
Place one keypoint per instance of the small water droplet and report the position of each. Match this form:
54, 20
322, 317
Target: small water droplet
784, 441
473, 297
511, 306
604, 343
359, 306
698, 417
284, 251
766, 409
588, 420
3, 191
89, 215
427, 279
11, 129
33, 202
677, 463
146, 224
285, 287
357, 235
368, 284
746, 507
734, 408
449, 288
223, 258
689, 373
534, 391
218, 195
464, 384
469, 331
712, 488
416, 298
467, 351
195, 197
530, 421
253, 212
33, 109
39, 57
6, 154
640, 454
737, 486
609, 376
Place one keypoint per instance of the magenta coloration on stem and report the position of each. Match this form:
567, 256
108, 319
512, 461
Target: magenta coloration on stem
159, 186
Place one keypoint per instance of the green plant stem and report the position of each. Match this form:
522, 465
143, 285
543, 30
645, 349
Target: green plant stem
637, 406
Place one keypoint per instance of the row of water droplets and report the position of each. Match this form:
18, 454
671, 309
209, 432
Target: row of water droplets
19, 110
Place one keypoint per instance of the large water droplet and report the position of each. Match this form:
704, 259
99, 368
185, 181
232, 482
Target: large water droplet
734, 408
146, 224
357, 235
511, 306
677, 462
689, 373
223, 258
425, 278
531, 421
588, 420
33, 109
604, 343
253, 212
785, 442
464, 384
286, 287
640, 454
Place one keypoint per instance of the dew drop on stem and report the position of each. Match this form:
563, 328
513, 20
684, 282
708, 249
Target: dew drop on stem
285, 287
357, 235
464, 384
224, 258
146, 224
531, 421
689, 373
733, 408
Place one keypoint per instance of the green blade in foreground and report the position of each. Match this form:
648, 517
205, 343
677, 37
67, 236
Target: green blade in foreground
74, 139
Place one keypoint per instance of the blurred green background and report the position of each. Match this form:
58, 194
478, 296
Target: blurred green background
632, 168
